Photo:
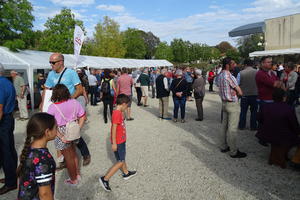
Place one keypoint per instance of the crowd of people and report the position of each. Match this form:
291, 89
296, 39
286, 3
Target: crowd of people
270, 93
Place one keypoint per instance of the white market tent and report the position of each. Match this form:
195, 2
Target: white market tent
30, 60
275, 52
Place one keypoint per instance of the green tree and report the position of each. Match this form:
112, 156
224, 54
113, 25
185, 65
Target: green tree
164, 51
151, 41
15, 23
234, 54
180, 50
224, 46
134, 44
108, 39
59, 32
249, 44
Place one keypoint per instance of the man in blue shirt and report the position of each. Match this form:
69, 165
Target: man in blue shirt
71, 80
8, 154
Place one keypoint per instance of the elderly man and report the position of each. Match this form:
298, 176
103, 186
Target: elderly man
70, 79
162, 93
8, 154
21, 93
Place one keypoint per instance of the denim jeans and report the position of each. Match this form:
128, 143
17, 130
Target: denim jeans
106, 103
8, 152
179, 102
246, 102
83, 147
93, 93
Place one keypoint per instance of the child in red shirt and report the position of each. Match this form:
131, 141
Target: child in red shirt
118, 140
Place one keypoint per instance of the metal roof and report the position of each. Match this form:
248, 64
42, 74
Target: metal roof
248, 29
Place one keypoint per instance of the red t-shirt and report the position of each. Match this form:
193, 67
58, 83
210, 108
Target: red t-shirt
117, 118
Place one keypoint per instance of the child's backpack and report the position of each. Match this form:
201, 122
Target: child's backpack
72, 127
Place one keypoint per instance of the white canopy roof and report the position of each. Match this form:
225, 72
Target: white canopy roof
40, 60
29, 60
275, 52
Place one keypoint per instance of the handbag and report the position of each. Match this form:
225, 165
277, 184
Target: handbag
72, 127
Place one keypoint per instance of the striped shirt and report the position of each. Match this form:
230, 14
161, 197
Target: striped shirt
227, 84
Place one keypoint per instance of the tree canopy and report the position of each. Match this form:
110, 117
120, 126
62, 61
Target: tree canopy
59, 32
16, 24
108, 40
134, 44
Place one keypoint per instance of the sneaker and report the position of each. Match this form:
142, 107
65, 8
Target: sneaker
130, 119
225, 150
175, 120
71, 183
239, 155
129, 175
104, 184
198, 119
182, 121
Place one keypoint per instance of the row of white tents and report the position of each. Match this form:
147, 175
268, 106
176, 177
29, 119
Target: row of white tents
30, 60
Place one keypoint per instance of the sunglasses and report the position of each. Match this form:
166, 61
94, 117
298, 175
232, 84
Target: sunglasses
54, 62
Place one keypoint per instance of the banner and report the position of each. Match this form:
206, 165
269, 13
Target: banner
78, 40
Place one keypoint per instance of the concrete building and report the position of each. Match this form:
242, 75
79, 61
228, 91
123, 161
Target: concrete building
282, 32
281, 37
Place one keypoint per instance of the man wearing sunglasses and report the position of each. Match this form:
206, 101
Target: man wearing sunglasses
70, 79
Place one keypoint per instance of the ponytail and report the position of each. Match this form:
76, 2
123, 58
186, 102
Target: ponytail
24, 155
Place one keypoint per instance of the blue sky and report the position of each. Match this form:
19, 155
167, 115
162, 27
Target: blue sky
203, 21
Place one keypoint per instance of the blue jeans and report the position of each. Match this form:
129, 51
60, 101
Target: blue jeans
179, 102
8, 152
246, 102
93, 93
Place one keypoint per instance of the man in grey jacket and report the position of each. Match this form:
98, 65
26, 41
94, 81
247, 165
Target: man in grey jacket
249, 98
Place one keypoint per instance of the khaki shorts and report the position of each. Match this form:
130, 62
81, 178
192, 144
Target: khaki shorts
144, 91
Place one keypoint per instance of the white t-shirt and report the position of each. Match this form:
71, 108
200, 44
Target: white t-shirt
92, 80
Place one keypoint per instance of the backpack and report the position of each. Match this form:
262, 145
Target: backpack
105, 87
72, 127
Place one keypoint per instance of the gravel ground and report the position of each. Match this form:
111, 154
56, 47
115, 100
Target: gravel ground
174, 161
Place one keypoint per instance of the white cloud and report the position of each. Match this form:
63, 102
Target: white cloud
268, 6
113, 8
73, 2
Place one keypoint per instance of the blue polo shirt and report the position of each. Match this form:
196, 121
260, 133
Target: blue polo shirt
7, 95
70, 79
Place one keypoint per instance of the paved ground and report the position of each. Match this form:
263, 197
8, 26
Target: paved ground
175, 161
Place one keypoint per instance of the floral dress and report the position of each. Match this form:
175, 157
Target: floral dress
39, 170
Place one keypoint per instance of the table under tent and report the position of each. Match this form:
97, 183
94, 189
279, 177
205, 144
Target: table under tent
29, 61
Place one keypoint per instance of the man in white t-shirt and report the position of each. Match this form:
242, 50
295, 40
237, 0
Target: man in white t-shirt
93, 87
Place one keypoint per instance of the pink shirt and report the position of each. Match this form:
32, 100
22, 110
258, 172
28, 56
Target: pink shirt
67, 108
124, 84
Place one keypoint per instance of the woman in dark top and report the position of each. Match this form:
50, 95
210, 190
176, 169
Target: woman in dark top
179, 88
37, 167
279, 124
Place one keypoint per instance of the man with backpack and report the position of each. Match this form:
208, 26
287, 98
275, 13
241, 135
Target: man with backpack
107, 90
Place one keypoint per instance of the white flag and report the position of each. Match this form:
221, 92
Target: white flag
78, 40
